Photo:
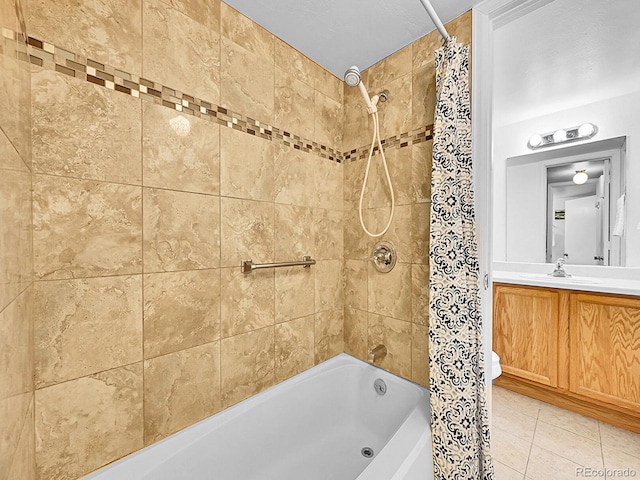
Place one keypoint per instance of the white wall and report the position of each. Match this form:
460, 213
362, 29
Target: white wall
614, 117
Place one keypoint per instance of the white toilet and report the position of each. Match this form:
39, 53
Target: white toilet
496, 370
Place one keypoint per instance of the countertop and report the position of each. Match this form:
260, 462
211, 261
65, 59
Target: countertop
616, 280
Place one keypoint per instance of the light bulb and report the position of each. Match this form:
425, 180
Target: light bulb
586, 130
535, 140
580, 177
560, 136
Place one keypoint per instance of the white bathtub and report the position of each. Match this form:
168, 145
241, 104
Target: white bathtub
312, 427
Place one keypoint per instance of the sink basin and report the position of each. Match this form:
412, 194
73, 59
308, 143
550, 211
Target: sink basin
574, 279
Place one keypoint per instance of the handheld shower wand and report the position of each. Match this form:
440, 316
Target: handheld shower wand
353, 78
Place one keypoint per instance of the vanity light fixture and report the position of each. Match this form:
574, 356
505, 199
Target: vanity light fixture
562, 135
580, 177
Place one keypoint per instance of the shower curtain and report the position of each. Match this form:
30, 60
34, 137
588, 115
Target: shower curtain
459, 417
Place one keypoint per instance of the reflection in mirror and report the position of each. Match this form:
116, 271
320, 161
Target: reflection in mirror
561, 203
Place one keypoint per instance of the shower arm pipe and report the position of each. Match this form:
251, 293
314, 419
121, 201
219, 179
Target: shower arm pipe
435, 19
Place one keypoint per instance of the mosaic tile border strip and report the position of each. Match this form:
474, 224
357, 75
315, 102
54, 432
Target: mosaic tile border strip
49, 56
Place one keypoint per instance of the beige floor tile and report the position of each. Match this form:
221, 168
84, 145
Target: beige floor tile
615, 459
505, 473
569, 445
514, 422
506, 398
545, 465
509, 450
619, 439
574, 422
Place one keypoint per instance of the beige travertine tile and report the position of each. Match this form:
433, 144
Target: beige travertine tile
460, 27
377, 192
180, 389
86, 326
16, 260
420, 294
389, 69
180, 52
108, 31
328, 184
574, 422
389, 293
355, 284
247, 301
423, 49
329, 334
179, 152
206, 12
15, 413
246, 166
294, 345
247, 365
396, 336
293, 102
420, 231
181, 230
355, 333
624, 441
502, 398
294, 233
88, 422
85, 228
9, 157
97, 138
294, 292
358, 126
513, 421
298, 65
23, 466
328, 121
181, 310
615, 459
328, 84
395, 115
328, 234
510, 450
246, 33
548, 465
353, 174
251, 94
502, 472
566, 444
399, 233
420, 354
247, 231
357, 244
329, 285
424, 95
422, 154
293, 185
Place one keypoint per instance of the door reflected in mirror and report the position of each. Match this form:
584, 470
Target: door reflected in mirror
554, 212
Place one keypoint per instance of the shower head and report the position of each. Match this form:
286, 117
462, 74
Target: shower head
352, 76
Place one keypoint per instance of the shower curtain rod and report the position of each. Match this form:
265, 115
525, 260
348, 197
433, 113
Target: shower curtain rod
435, 19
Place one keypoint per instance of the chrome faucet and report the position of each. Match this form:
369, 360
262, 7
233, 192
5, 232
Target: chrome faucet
377, 353
559, 270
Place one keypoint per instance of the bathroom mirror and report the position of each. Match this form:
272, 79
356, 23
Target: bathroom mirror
557, 66
552, 213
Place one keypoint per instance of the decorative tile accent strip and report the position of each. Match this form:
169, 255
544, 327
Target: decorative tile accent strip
49, 56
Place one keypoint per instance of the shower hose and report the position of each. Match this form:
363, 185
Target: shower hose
376, 138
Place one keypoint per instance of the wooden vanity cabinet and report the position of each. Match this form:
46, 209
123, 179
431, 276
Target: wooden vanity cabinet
577, 350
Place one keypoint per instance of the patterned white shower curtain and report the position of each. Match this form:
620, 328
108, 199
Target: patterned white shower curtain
459, 418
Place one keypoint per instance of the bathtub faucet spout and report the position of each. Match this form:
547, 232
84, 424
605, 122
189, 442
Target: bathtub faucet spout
377, 353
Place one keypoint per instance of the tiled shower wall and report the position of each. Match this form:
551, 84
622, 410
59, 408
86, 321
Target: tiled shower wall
142, 213
16, 259
393, 308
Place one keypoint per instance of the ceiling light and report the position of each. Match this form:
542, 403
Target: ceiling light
562, 135
580, 177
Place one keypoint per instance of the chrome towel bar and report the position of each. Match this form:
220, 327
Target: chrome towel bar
247, 266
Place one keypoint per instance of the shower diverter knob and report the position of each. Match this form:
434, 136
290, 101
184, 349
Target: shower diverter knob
384, 257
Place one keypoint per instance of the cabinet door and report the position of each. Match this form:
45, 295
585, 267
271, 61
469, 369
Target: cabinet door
605, 348
525, 332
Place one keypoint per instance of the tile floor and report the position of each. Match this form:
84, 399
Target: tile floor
534, 440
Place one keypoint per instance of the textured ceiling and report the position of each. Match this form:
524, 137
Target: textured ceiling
566, 54
340, 33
